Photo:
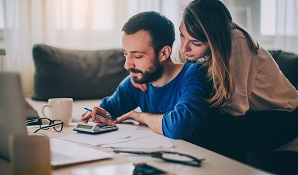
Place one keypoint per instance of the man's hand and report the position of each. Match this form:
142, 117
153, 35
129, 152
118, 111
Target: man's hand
153, 121
131, 115
97, 118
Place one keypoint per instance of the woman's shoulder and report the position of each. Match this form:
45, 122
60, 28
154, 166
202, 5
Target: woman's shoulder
239, 40
236, 33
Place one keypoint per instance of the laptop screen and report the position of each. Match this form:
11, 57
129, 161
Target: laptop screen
12, 110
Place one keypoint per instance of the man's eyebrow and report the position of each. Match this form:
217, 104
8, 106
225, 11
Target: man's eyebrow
134, 51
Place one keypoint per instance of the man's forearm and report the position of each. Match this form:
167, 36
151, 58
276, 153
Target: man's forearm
153, 121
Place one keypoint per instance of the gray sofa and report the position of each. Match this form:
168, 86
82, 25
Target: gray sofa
288, 64
78, 74
82, 74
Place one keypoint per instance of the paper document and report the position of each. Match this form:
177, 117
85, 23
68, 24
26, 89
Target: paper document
130, 138
143, 139
124, 132
148, 142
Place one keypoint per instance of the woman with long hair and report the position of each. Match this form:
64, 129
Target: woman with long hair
257, 105
244, 75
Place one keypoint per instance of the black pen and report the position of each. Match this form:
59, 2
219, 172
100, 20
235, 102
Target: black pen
107, 116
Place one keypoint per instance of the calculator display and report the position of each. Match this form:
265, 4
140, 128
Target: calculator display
84, 126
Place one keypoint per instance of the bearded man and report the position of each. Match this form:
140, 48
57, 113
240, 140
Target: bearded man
175, 103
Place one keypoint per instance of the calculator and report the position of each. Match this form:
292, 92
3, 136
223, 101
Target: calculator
94, 128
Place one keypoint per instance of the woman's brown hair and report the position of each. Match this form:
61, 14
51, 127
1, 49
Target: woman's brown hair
210, 21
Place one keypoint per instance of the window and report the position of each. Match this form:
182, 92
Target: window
1, 16
97, 23
268, 17
1, 28
74, 15
279, 18
2, 51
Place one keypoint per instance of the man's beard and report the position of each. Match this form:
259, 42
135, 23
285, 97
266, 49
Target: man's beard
152, 74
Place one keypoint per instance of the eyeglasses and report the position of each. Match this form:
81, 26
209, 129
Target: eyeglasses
168, 156
47, 123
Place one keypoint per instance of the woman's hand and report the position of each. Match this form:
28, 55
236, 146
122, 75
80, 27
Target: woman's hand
142, 87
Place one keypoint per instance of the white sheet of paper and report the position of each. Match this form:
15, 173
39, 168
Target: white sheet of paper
149, 142
146, 139
167, 143
132, 138
98, 140
136, 136
124, 132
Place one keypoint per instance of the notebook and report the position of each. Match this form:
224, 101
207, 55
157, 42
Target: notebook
13, 121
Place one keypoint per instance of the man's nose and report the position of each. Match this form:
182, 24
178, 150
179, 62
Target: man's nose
128, 62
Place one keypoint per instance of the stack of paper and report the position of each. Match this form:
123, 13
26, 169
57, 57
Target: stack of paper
127, 136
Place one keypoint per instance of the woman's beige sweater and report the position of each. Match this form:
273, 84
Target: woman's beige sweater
260, 84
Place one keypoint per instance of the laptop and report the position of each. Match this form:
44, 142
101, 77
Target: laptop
12, 109
13, 121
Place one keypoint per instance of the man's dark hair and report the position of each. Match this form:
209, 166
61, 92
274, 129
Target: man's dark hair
160, 28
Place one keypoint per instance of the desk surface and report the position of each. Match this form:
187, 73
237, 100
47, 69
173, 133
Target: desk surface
214, 163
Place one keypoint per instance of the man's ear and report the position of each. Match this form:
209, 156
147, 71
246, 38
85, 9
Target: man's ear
165, 53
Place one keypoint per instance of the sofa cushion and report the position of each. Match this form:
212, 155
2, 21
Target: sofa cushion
78, 74
288, 64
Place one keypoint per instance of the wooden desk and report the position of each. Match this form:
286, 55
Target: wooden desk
214, 164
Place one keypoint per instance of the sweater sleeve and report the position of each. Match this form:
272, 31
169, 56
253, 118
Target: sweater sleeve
117, 104
244, 67
190, 109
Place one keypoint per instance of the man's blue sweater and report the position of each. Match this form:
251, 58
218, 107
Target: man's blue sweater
182, 101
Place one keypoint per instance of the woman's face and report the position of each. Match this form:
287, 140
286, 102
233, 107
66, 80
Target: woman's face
192, 48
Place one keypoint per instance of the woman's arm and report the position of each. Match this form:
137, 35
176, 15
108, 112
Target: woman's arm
244, 67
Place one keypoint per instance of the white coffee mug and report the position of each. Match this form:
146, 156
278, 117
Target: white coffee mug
59, 109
